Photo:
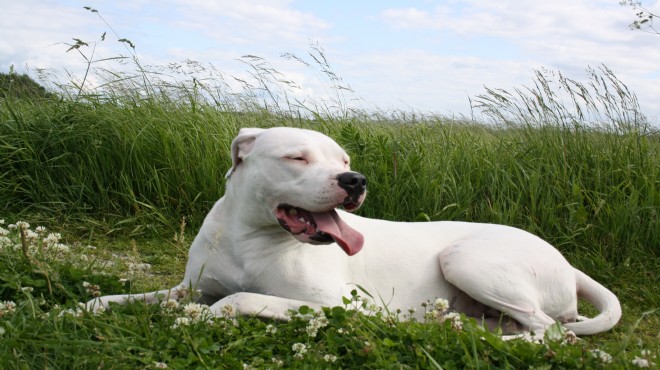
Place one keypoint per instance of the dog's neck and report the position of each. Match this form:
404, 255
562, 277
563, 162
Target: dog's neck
242, 226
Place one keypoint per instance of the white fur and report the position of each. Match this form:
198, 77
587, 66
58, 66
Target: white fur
243, 257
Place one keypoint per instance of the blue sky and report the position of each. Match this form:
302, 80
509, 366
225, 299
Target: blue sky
424, 55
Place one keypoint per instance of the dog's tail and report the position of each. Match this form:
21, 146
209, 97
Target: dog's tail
605, 302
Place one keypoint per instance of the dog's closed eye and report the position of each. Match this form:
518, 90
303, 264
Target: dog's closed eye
297, 158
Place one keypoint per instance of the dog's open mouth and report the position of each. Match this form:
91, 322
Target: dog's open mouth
320, 227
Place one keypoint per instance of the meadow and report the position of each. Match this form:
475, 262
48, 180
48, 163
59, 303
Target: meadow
101, 191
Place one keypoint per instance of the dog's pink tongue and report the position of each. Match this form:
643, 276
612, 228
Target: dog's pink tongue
349, 239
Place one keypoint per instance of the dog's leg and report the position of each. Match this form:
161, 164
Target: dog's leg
485, 273
260, 305
488, 310
177, 293
488, 317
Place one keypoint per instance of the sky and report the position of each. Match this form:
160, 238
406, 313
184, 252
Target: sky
412, 55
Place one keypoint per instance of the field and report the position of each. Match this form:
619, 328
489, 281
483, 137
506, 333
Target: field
115, 185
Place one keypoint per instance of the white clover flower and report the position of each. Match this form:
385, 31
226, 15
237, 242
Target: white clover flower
181, 321
59, 247
52, 238
170, 304
40, 229
299, 348
31, 235
27, 289
441, 304
2, 329
227, 311
22, 225
330, 358
271, 329
641, 362
160, 365
71, 312
195, 310
315, 324
2, 221
92, 289
455, 318
277, 362
7, 308
4, 232
603, 356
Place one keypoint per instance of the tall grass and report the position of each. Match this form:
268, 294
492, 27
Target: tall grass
574, 162
112, 160
158, 161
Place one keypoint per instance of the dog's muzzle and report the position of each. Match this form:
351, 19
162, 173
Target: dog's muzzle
326, 226
319, 227
355, 185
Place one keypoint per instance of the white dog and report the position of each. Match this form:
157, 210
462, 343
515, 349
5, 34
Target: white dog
275, 241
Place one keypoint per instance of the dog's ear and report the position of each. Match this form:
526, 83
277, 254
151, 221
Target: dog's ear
242, 145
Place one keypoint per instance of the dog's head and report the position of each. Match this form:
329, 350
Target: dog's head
299, 177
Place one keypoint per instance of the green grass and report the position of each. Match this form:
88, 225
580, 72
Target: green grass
122, 166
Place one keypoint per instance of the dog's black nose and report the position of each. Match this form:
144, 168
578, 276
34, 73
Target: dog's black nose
354, 183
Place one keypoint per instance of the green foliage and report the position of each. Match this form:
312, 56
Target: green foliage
72, 158
152, 163
21, 86
35, 263
39, 330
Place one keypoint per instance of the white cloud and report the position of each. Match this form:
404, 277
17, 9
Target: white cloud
422, 80
249, 22
569, 35
413, 18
